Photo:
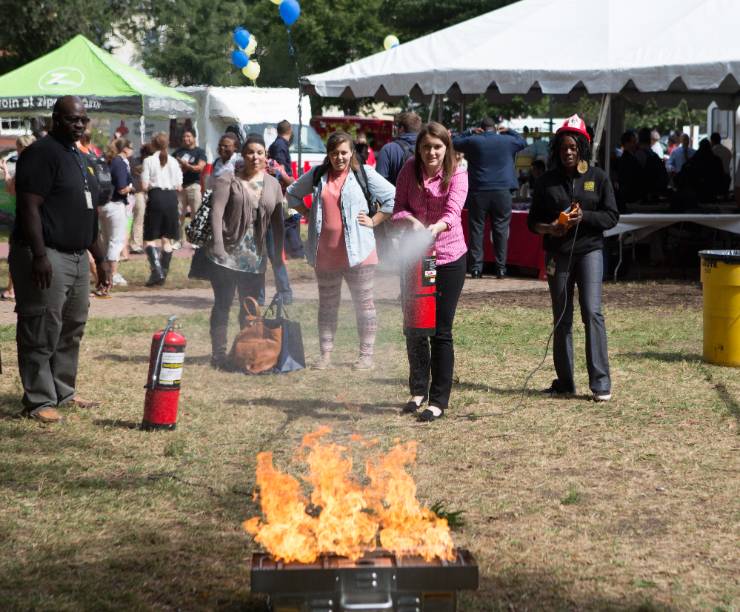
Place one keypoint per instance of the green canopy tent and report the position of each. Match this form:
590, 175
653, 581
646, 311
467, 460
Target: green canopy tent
105, 84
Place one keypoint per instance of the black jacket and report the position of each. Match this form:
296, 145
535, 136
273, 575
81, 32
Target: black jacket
555, 192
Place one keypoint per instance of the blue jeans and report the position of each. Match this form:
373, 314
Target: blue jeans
586, 270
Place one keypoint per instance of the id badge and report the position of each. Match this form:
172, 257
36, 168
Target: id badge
88, 199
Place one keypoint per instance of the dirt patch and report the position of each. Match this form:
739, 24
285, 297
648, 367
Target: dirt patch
651, 295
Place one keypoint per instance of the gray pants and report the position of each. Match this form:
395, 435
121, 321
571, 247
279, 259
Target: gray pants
497, 205
586, 270
51, 323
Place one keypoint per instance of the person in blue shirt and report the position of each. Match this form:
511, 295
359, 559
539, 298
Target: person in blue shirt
280, 148
490, 155
394, 154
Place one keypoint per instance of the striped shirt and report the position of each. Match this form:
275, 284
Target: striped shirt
433, 203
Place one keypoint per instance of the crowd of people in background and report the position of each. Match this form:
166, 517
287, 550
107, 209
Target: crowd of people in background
419, 182
680, 176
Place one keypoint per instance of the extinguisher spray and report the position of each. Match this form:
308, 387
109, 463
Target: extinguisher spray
166, 360
420, 296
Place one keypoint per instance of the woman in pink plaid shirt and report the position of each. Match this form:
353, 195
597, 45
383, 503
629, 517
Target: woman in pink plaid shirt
430, 194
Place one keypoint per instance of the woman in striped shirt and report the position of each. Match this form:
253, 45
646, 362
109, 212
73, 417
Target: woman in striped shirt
430, 194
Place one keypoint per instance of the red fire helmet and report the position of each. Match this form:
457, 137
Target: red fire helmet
575, 124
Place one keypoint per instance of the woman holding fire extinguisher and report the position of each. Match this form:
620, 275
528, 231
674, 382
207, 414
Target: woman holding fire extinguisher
430, 194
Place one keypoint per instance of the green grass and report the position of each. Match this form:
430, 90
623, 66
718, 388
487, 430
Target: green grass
568, 504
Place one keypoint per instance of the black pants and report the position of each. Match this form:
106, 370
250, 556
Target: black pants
497, 205
435, 357
225, 283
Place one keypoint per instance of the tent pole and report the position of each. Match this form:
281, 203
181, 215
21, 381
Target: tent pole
462, 115
142, 127
600, 124
431, 107
608, 144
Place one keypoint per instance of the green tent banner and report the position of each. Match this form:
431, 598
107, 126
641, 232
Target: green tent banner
105, 84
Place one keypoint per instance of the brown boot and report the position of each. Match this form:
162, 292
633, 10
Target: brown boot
45, 414
219, 337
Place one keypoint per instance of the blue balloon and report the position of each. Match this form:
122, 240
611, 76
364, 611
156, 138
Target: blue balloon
290, 11
241, 37
239, 59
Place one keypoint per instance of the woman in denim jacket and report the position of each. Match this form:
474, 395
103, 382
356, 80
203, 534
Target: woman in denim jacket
341, 241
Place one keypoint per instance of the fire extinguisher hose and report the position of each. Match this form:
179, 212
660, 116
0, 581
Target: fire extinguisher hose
152, 382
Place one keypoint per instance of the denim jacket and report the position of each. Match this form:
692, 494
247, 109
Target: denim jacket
359, 239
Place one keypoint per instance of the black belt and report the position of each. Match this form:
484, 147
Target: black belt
68, 251
23, 244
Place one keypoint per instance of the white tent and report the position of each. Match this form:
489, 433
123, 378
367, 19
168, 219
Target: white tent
678, 48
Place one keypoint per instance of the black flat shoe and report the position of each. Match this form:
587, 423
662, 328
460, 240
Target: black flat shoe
411, 406
427, 416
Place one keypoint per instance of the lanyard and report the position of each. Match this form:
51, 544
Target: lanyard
81, 165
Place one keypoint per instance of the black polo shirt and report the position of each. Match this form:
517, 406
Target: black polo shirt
60, 175
191, 156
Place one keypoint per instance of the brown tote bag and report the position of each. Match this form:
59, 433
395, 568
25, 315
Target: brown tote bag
257, 346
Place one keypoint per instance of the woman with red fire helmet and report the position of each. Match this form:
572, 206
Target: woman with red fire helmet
573, 245
430, 193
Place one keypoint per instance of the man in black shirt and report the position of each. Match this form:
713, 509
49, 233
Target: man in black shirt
56, 225
192, 162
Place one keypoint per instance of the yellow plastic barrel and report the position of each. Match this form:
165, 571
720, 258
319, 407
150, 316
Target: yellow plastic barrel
720, 277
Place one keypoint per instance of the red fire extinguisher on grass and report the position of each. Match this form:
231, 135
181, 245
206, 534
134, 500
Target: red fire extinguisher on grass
420, 296
166, 360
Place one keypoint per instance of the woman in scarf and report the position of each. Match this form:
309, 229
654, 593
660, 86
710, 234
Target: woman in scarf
243, 204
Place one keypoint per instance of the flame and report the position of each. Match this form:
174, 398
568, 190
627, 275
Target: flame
342, 516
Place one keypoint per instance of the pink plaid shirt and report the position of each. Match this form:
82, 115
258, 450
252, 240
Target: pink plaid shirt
432, 204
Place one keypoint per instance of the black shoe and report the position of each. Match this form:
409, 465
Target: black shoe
557, 390
427, 416
411, 406
501, 273
476, 274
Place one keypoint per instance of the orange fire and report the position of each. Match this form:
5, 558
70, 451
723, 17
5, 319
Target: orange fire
341, 516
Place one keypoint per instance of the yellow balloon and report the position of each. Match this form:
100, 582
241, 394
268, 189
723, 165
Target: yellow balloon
391, 41
251, 46
251, 70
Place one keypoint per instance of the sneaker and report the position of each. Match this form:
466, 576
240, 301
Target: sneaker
45, 414
365, 362
602, 396
323, 362
118, 280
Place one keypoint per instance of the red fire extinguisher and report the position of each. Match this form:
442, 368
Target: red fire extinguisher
166, 360
420, 296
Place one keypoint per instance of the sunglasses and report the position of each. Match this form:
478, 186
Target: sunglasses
72, 119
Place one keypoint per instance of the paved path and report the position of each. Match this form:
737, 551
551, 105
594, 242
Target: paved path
166, 301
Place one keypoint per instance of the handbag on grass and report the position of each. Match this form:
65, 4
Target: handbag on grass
199, 231
256, 348
291, 356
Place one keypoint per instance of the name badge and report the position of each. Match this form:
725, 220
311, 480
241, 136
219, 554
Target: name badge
88, 199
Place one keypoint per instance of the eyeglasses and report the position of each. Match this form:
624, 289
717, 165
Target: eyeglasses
72, 119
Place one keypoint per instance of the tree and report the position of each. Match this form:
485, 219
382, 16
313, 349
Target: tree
186, 42
409, 19
32, 28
